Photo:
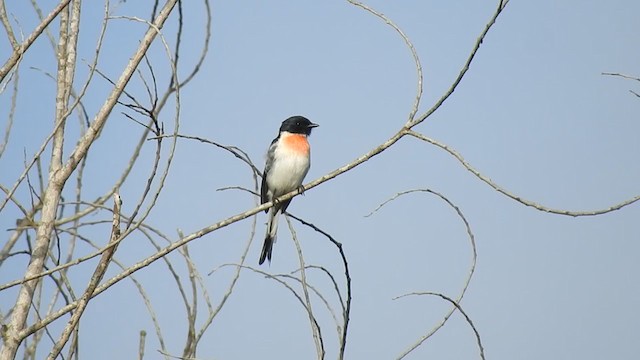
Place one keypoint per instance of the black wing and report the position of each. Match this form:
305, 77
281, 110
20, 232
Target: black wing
263, 188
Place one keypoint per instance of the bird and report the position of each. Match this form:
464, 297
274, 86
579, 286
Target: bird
288, 161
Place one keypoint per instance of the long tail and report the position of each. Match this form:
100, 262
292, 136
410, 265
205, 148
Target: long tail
270, 238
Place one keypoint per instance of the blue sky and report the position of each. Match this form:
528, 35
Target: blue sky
534, 114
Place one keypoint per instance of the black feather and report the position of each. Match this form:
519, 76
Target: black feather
266, 250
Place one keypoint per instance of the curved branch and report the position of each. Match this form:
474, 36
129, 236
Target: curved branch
501, 6
346, 310
472, 268
315, 328
457, 306
515, 197
414, 54
281, 282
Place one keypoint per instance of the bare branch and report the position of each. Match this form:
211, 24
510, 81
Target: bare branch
214, 312
57, 179
97, 276
143, 337
414, 54
347, 275
281, 282
7, 26
17, 53
12, 109
628, 77
515, 197
315, 329
472, 267
459, 308
196, 68
236, 151
501, 6
318, 293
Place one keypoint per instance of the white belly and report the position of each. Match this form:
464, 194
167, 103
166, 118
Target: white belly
287, 172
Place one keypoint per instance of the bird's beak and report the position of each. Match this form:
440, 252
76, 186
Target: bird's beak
312, 125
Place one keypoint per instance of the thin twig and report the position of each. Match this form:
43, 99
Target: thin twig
214, 312
12, 108
472, 267
319, 295
412, 49
515, 197
97, 276
141, 344
501, 6
459, 308
278, 280
347, 275
628, 77
236, 151
315, 329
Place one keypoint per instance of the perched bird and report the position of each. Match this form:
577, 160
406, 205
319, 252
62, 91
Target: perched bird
288, 161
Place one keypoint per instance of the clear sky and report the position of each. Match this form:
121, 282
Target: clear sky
534, 114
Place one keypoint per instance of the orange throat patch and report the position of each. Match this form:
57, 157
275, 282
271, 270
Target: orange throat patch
295, 142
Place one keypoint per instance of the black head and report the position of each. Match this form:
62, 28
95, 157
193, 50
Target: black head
297, 125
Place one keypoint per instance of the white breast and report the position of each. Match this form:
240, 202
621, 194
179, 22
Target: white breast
288, 171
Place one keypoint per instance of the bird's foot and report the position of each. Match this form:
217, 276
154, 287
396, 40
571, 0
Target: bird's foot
301, 189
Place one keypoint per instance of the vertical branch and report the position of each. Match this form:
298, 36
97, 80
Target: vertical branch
31, 347
176, 52
143, 337
7, 26
70, 66
62, 91
12, 111
50, 200
346, 310
101, 117
196, 68
97, 276
315, 328
192, 310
